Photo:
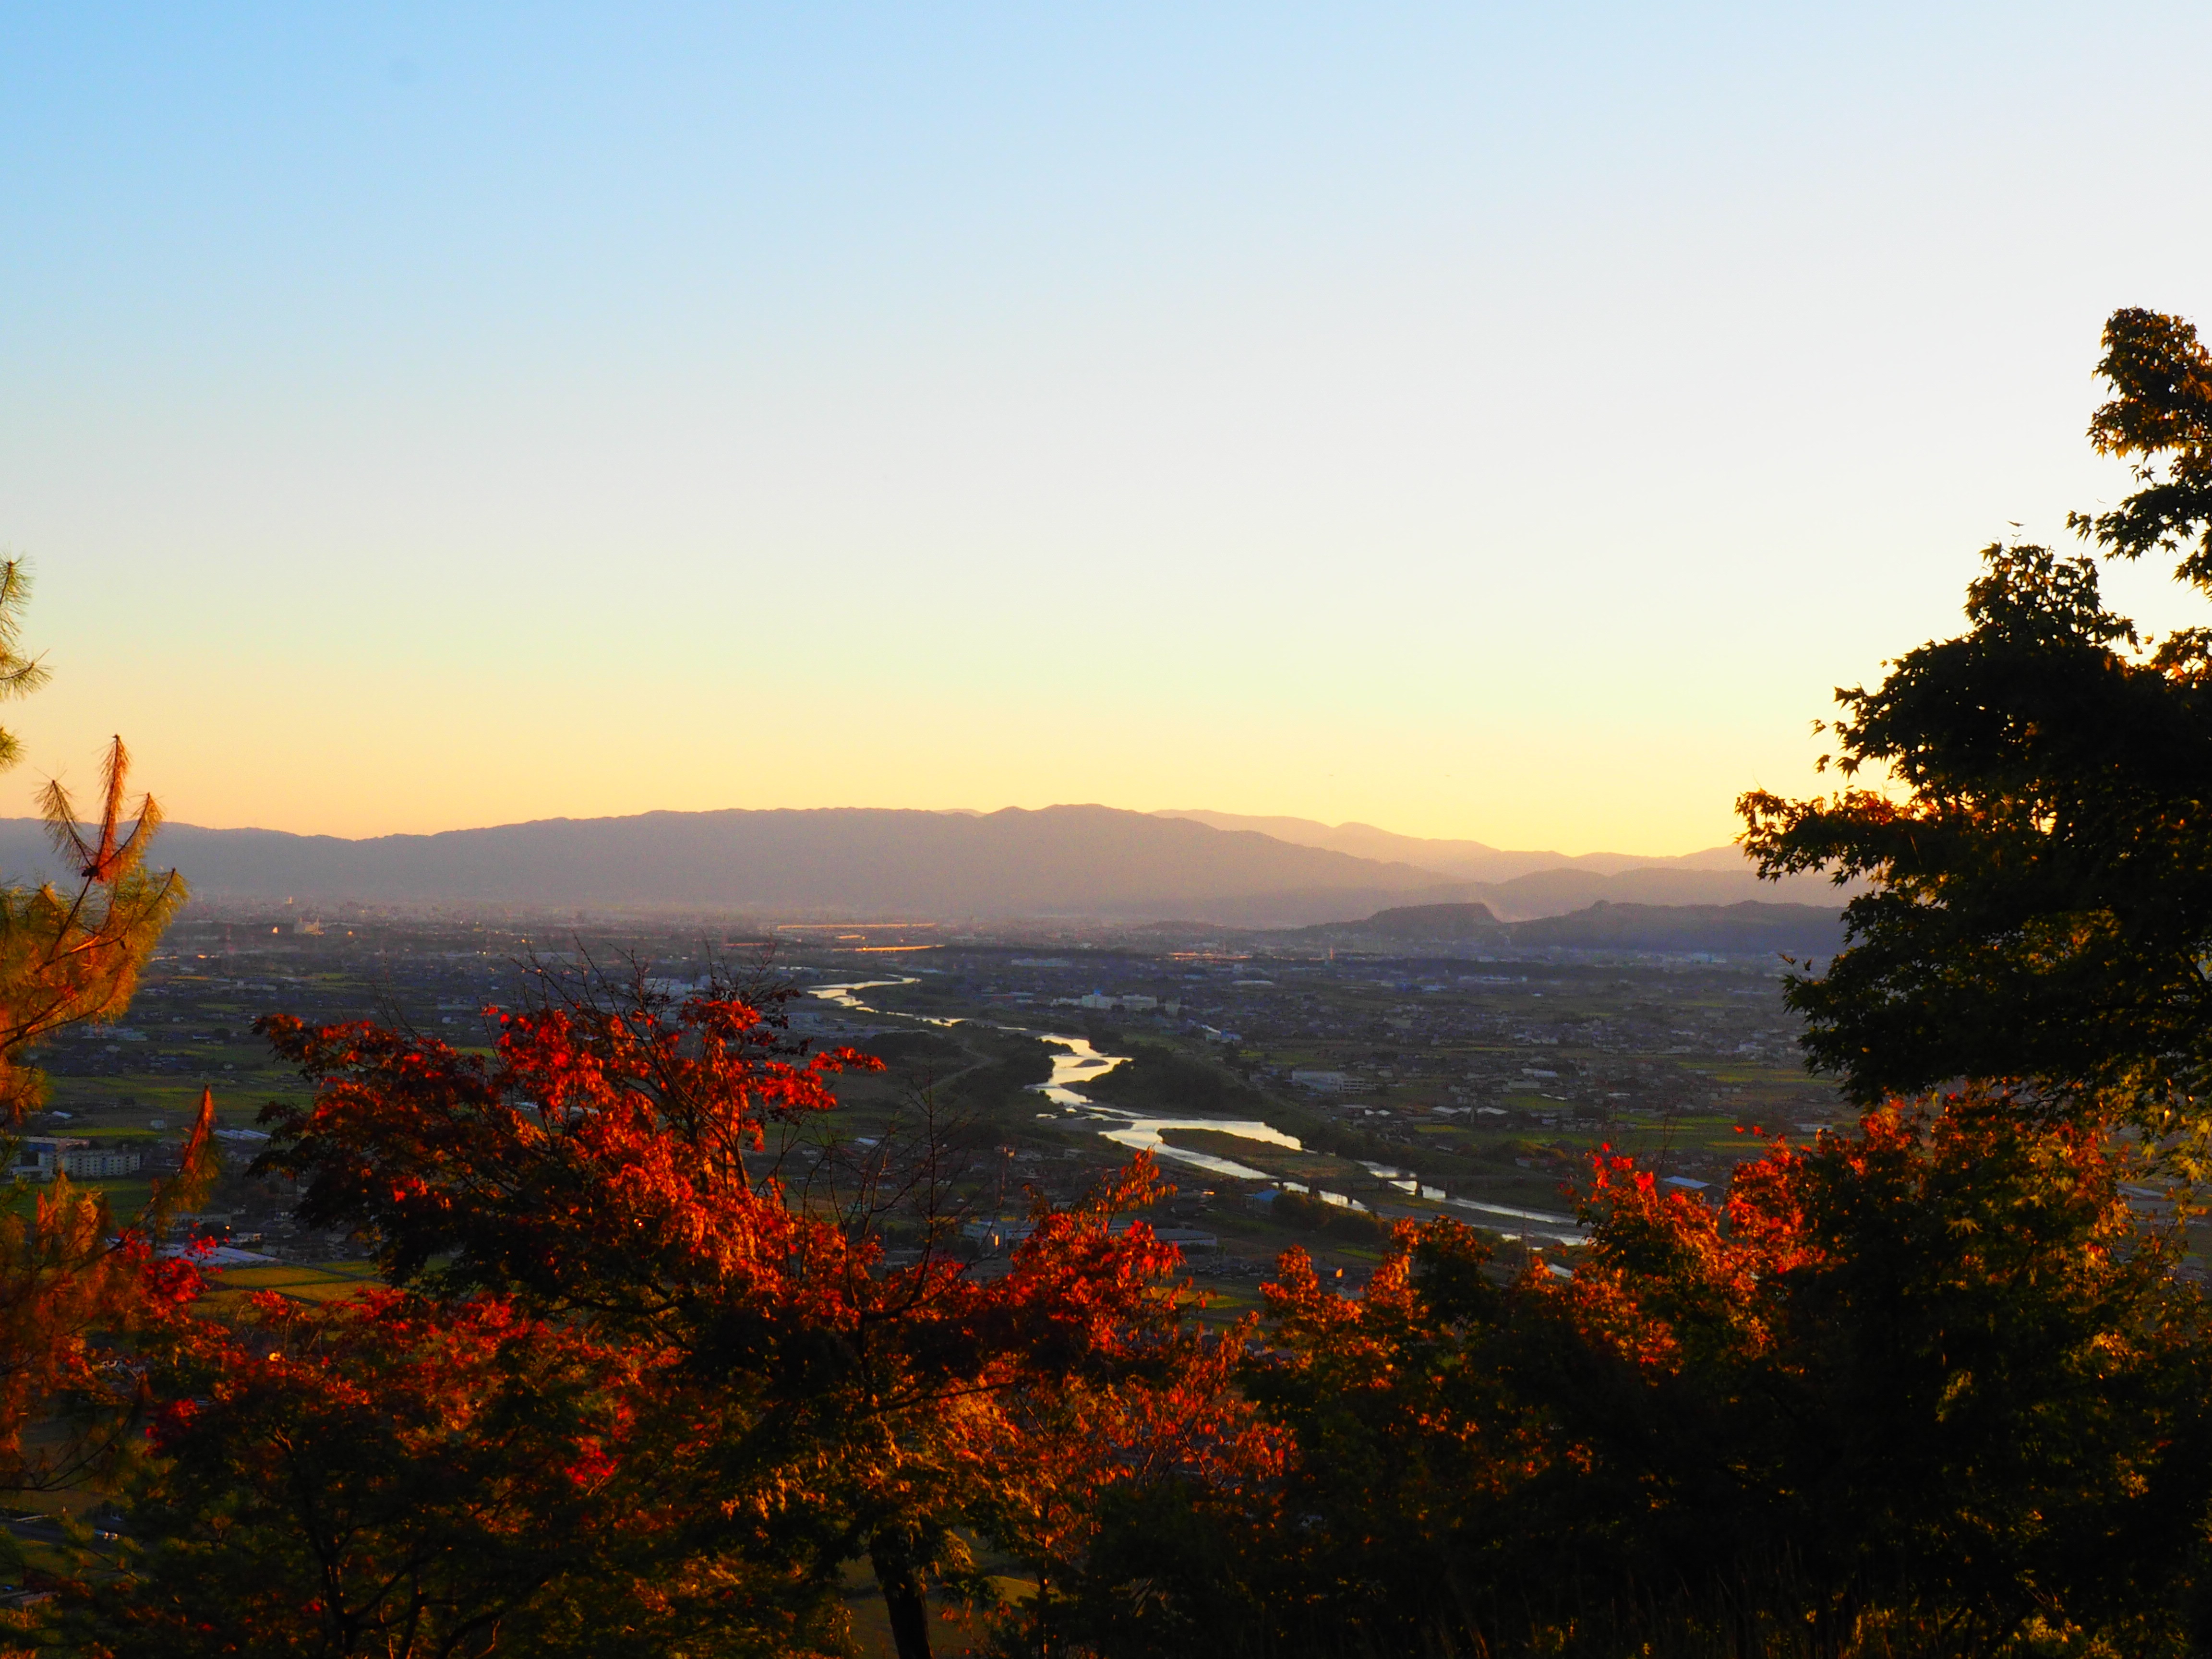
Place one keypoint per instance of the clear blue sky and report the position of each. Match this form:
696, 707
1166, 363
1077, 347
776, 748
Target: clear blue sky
1497, 422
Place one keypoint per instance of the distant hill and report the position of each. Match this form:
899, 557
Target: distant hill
848, 862
1745, 928
1430, 924
1554, 892
1518, 885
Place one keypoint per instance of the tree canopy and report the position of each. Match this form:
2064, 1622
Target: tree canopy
2032, 802
609, 1167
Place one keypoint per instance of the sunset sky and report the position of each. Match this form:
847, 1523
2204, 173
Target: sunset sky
1495, 421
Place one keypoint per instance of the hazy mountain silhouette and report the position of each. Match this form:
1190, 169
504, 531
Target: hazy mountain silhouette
1466, 860
855, 862
1555, 892
1746, 929
1430, 924
1519, 885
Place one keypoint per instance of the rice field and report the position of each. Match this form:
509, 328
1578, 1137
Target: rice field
303, 1281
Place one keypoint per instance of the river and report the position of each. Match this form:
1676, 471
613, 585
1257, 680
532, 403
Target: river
1077, 1062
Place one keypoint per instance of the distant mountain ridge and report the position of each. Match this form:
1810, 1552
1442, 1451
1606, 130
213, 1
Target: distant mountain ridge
1466, 860
859, 863
832, 862
1519, 886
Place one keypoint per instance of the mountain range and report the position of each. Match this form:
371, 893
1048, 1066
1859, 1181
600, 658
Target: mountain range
880, 864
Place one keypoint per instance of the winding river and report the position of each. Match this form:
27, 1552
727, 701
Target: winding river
1076, 1062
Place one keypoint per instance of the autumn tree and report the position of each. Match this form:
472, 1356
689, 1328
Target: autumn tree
1932, 1375
610, 1168
1928, 1386
393, 1476
70, 1287
2028, 801
1161, 1455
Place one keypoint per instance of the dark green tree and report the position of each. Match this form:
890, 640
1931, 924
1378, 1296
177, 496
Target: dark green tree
2031, 805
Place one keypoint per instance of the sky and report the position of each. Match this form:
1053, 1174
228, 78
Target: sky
1507, 422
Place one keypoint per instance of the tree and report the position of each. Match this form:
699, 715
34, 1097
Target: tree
1935, 1375
608, 1168
2041, 856
1108, 1474
72, 953
69, 1277
392, 1476
1925, 1388
2161, 418
70, 1288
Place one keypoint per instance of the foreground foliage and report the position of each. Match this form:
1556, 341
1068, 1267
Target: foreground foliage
608, 1173
391, 1476
1926, 1388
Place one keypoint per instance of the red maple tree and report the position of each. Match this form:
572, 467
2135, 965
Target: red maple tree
608, 1167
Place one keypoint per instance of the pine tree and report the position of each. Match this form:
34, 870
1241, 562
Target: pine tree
69, 953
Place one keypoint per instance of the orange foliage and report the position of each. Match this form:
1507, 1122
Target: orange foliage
1935, 1365
388, 1475
608, 1167
70, 1287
